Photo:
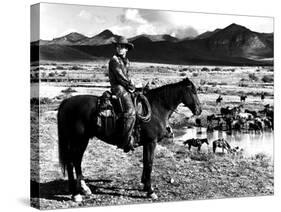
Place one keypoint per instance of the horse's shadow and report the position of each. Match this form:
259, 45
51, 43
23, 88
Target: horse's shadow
105, 187
53, 190
58, 189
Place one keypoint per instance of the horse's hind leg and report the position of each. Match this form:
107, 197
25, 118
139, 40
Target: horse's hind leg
72, 183
80, 183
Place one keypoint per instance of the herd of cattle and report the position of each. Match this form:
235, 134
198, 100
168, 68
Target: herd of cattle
239, 118
236, 118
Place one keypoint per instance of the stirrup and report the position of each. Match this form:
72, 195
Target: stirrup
130, 146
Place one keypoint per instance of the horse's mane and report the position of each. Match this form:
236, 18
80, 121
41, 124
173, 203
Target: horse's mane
169, 92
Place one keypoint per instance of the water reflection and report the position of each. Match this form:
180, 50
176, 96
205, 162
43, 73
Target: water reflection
251, 142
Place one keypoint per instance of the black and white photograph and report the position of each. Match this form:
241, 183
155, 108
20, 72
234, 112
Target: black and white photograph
131, 106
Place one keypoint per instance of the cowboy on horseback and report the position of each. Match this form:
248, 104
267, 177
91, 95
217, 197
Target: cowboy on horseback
122, 87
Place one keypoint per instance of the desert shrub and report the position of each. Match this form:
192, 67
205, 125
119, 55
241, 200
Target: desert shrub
201, 156
43, 68
214, 84
106, 74
229, 69
253, 77
267, 78
45, 100
75, 67
51, 74
68, 90
216, 69
59, 68
270, 70
62, 74
183, 69
205, 69
182, 74
260, 156
258, 70
202, 82
242, 84
43, 74
195, 74
217, 91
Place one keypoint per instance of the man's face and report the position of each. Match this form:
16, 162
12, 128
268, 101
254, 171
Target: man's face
121, 49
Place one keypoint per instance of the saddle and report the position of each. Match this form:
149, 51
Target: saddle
110, 110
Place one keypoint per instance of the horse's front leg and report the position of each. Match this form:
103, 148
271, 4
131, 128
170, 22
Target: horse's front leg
148, 156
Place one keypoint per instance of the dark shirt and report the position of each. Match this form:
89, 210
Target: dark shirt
118, 74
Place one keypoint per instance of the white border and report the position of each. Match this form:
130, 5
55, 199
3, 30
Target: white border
14, 140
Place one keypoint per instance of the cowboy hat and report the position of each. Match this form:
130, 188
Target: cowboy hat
123, 41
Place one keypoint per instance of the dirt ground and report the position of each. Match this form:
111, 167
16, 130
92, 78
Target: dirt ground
178, 174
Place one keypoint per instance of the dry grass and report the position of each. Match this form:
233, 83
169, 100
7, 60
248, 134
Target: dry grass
114, 177
178, 174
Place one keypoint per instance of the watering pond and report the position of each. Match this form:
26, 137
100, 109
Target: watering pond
252, 143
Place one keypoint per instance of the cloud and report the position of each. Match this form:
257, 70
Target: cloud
124, 30
85, 15
146, 29
183, 32
132, 16
157, 22
99, 20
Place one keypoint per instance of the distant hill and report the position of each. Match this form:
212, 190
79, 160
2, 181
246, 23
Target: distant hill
233, 45
69, 39
236, 40
103, 38
207, 34
153, 38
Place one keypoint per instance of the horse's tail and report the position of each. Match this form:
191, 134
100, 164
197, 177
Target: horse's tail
62, 140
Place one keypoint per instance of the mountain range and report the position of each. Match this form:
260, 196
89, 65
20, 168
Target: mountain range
232, 45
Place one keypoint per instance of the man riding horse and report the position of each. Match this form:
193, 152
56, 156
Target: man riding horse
122, 87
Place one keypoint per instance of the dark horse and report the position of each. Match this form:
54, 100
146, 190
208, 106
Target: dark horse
219, 99
76, 127
243, 98
196, 142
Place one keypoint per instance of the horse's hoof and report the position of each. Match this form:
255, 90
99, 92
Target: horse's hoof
152, 196
77, 198
86, 192
85, 189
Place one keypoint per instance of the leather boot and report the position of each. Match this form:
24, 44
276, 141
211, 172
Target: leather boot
127, 140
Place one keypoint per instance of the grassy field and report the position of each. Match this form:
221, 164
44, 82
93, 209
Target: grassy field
178, 174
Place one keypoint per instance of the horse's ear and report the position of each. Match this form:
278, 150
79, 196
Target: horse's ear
187, 82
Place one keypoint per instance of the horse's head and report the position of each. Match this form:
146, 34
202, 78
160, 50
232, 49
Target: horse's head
205, 140
190, 98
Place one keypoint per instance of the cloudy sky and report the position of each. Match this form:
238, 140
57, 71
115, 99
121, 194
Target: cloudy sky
59, 19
